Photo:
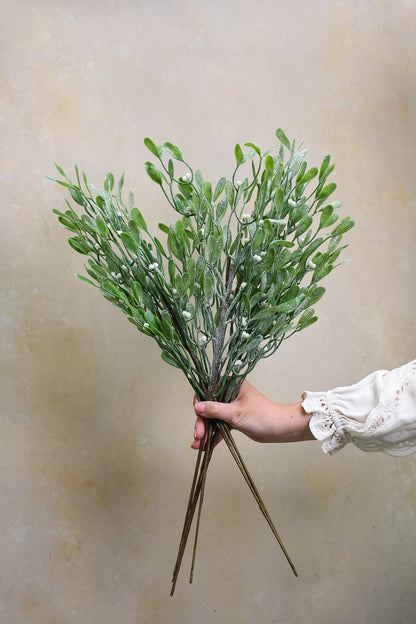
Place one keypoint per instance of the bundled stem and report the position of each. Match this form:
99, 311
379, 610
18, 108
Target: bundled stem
212, 431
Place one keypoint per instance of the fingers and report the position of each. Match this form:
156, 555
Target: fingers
213, 409
226, 412
199, 433
199, 428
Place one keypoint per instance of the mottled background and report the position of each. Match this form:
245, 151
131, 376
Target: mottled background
95, 458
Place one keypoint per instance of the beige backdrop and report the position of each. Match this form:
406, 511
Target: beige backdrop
95, 435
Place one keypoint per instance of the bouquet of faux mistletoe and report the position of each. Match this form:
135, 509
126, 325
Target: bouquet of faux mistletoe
234, 275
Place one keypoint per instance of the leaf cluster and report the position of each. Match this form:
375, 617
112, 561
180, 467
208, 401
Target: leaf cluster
233, 275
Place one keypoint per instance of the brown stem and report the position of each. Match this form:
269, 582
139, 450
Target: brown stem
204, 457
212, 437
249, 480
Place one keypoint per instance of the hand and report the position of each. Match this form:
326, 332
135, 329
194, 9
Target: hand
257, 417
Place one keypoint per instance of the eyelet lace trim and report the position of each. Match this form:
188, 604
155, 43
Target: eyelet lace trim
334, 429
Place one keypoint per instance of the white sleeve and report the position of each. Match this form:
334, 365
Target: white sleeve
376, 414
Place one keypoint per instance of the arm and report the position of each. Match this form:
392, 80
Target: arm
376, 414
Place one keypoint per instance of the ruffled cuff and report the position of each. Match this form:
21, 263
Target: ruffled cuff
377, 414
325, 423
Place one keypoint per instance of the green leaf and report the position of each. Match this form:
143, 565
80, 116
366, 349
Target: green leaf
315, 294
214, 248
322, 272
326, 215
209, 286
258, 241
137, 291
279, 198
324, 165
181, 285
301, 172
166, 357
290, 294
109, 182
98, 269
61, 172
131, 200
283, 138
154, 173
173, 150
77, 196
207, 191
288, 306
266, 313
110, 288
327, 173
283, 258
164, 228
269, 258
246, 302
269, 163
239, 158
135, 231
326, 191
219, 188
138, 218
171, 168
283, 243
152, 147
93, 274
309, 175
191, 270
80, 245
254, 147
128, 242
306, 319
221, 208
181, 204
67, 223
179, 231
171, 270
85, 279
120, 187
229, 192
160, 248
343, 227
176, 245
101, 226
334, 242
248, 155
304, 224
199, 179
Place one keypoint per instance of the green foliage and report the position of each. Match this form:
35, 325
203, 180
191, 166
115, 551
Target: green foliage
236, 272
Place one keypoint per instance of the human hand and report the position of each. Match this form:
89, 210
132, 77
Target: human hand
256, 416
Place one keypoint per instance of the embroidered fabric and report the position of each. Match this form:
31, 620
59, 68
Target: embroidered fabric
376, 414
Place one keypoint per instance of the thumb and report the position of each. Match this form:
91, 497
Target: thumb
221, 411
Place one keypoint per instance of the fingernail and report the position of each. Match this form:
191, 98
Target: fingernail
195, 433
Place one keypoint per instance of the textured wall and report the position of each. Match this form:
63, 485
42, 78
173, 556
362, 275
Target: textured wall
95, 430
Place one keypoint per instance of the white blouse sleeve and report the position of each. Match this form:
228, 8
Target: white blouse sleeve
376, 414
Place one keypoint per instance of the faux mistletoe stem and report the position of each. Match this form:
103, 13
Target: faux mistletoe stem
236, 275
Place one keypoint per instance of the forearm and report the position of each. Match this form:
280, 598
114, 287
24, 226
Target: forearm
288, 423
